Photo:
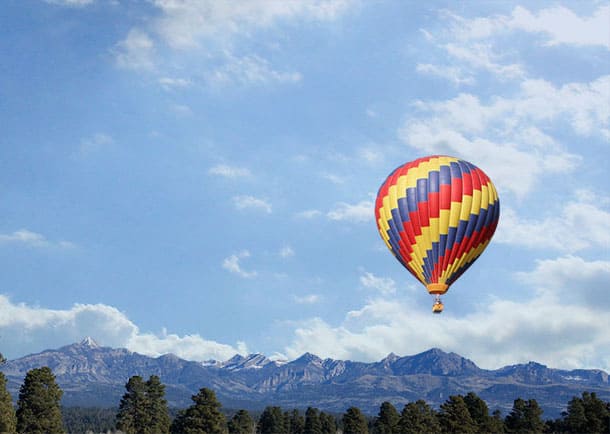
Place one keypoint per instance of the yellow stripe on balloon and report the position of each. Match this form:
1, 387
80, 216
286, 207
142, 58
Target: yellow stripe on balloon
443, 225
466, 207
476, 202
454, 215
402, 187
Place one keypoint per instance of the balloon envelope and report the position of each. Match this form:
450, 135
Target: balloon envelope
437, 214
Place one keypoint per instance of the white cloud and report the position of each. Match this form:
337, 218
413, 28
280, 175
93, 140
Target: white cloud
286, 252
481, 56
510, 138
583, 105
26, 329
558, 24
209, 27
384, 285
498, 333
308, 214
572, 280
136, 51
581, 223
229, 171
451, 73
232, 264
33, 239
307, 299
475, 44
562, 26
184, 23
169, 83
251, 202
249, 70
357, 213
95, 143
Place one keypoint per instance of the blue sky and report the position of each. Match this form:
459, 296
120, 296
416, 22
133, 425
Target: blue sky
198, 177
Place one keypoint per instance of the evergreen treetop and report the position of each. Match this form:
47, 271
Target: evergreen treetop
418, 418
8, 419
202, 417
454, 416
241, 423
354, 422
386, 421
38, 410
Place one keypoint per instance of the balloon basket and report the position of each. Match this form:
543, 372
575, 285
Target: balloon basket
438, 306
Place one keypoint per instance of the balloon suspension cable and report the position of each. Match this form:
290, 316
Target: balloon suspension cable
437, 307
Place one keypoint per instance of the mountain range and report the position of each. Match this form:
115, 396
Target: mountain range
92, 375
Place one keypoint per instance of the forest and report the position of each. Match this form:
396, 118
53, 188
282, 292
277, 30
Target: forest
143, 409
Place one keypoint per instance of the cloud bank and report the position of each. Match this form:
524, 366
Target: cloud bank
562, 325
28, 329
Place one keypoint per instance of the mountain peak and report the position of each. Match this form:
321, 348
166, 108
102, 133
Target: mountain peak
390, 358
308, 358
89, 342
436, 362
251, 361
434, 352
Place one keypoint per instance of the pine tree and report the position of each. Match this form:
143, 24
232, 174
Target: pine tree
8, 419
271, 421
587, 414
297, 422
354, 422
596, 412
328, 423
133, 416
202, 417
312, 421
241, 423
576, 420
497, 423
38, 408
479, 412
156, 407
525, 417
418, 418
454, 416
387, 420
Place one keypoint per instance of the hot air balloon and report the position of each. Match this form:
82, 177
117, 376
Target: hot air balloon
437, 214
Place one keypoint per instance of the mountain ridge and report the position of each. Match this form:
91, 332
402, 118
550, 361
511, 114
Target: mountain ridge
95, 375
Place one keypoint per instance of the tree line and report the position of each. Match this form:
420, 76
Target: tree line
143, 409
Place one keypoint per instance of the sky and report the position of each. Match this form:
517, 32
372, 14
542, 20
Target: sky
198, 177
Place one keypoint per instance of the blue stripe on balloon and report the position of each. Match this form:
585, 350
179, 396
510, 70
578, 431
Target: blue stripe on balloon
433, 182
445, 175
456, 171
422, 190
450, 240
461, 230
428, 266
465, 166
472, 223
403, 208
481, 220
412, 199
435, 253
442, 244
